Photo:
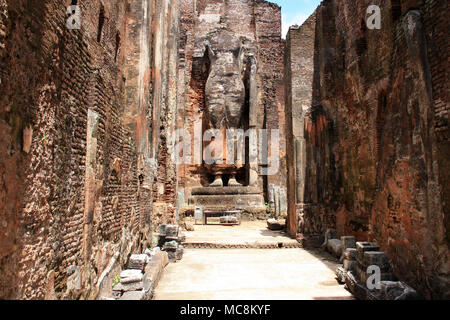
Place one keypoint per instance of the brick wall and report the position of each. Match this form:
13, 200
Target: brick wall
76, 173
299, 72
377, 134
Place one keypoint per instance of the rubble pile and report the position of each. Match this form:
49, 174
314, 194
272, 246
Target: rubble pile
170, 240
360, 261
140, 279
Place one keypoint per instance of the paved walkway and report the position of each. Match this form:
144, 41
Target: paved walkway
250, 274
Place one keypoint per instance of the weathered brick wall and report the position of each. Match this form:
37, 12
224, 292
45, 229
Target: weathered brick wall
377, 134
75, 171
271, 64
299, 71
435, 23
164, 112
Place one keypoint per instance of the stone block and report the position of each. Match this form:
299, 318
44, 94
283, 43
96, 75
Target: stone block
170, 246
229, 220
274, 225
362, 247
130, 276
125, 287
376, 258
172, 256
396, 290
238, 201
366, 246
310, 240
329, 234
179, 253
334, 247
138, 261
155, 267
172, 232
348, 242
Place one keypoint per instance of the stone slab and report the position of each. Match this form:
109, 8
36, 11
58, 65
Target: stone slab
170, 246
366, 246
362, 247
396, 290
125, 287
138, 261
229, 220
130, 276
172, 231
241, 201
225, 191
155, 268
334, 246
274, 224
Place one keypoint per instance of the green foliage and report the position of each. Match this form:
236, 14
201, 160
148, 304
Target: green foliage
116, 280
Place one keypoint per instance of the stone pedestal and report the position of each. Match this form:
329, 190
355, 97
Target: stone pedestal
249, 199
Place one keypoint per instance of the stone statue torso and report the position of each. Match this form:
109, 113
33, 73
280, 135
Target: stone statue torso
225, 90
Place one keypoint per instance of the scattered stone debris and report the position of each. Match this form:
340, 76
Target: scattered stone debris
332, 245
140, 280
354, 273
229, 220
347, 243
310, 240
138, 261
188, 226
130, 276
170, 240
275, 225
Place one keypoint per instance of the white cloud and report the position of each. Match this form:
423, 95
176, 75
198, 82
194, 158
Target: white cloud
290, 21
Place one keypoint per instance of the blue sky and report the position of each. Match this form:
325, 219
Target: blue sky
295, 11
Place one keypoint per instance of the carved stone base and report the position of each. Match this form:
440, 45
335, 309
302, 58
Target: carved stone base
228, 198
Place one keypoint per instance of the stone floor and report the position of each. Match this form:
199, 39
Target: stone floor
249, 274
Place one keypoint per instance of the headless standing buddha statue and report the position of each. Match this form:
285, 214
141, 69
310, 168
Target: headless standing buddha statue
225, 89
